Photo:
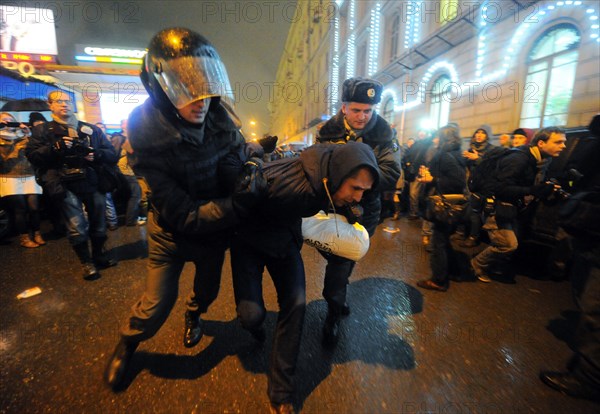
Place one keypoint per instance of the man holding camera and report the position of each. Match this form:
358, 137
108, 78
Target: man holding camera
521, 178
68, 156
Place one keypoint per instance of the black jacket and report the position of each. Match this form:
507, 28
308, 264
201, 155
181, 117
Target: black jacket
297, 187
180, 163
52, 160
516, 175
379, 136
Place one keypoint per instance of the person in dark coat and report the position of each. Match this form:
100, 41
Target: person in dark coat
68, 155
447, 175
357, 121
479, 147
178, 137
323, 177
582, 378
521, 178
415, 158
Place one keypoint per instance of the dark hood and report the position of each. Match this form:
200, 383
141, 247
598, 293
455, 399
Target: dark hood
335, 162
488, 136
150, 130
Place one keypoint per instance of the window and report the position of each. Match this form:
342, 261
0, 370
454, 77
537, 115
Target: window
395, 37
440, 101
448, 11
547, 92
388, 110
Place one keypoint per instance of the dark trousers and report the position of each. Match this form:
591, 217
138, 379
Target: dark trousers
586, 269
441, 254
287, 273
335, 285
167, 254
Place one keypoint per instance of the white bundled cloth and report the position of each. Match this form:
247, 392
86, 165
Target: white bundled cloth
331, 233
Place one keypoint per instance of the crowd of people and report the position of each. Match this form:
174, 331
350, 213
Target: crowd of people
181, 164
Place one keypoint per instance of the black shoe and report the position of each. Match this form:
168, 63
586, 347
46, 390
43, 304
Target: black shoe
90, 272
103, 262
345, 310
567, 383
331, 330
192, 333
118, 364
431, 285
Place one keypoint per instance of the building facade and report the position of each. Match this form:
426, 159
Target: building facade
508, 64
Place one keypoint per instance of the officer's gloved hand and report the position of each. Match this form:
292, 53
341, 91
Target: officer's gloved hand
543, 190
268, 143
250, 188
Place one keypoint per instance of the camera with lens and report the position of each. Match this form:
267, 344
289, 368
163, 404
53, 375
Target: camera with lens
74, 162
558, 193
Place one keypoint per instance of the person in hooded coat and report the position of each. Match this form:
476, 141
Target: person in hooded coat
322, 177
480, 146
448, 176
357, 121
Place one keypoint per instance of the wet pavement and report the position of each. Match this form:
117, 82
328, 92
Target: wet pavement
474, 349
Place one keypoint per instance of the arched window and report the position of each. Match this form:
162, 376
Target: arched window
388, 110
440, 101
550, 77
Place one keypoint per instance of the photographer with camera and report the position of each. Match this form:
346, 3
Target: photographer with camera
68, 155
520, 180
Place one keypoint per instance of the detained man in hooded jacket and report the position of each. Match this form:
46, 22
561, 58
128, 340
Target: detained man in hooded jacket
323, 177
357, 121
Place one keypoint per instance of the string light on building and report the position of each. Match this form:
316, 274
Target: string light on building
374, 41
351, 41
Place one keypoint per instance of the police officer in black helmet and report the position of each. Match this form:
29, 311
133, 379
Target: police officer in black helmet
178, 137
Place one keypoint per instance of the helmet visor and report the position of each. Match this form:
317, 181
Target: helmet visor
190, 78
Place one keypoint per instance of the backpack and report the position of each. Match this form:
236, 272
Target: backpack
484, 176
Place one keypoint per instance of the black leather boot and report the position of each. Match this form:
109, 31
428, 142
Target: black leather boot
83, 253
99, 255
193, 332
331, 328
118, 364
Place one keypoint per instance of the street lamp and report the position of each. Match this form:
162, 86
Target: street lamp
255, 125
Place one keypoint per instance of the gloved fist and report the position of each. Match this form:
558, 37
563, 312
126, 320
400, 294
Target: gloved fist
268, 143
543, 190
250, 188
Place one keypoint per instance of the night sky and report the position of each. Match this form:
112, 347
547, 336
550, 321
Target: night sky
249, 35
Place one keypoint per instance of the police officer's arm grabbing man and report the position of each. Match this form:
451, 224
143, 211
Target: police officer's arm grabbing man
358, 121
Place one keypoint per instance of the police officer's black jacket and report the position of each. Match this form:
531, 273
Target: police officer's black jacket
378, 135
180, 162
298, 187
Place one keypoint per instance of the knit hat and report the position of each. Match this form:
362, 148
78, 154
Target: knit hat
526, 132
36, 116
362, 90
